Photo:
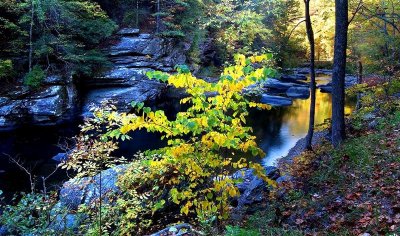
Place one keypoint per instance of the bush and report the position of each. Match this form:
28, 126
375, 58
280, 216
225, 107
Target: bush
6, 68
35, 77
190, 178
33, 214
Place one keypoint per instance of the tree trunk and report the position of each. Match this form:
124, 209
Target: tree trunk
310, 35
359, 81
137, 14
158, 17
339, 72
30, 35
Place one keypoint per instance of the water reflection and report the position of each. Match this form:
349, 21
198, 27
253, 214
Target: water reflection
279, 129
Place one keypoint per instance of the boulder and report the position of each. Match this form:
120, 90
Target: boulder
128, 31
252, 188
298, 92
294, 77
278, 85
85, 190
153, 47
176, 230
141, 91
284, 179
60, 157
54, 80
325, 88
119, 76
48, 106
65, 222
276, 101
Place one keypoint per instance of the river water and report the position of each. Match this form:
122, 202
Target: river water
277, 131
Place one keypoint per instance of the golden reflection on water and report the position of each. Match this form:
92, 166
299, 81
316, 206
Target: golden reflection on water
297, 116
279, 129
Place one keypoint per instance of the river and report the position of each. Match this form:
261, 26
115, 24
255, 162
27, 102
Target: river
277, 131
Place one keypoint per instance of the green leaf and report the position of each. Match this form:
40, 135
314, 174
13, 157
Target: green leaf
183, 69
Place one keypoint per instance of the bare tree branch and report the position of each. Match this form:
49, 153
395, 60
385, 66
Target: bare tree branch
358, 8
23, 168
294, 28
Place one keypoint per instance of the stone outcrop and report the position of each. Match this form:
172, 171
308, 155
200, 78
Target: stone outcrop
298, 92
132, 56
53, 103
276, 101
85, 190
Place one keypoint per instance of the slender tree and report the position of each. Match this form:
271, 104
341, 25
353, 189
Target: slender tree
339, 71
31, 35
310, 35
158, 17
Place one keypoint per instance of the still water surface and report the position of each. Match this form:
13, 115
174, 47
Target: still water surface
277, 131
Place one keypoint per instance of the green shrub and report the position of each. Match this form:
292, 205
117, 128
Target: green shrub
237, 231
35, 77
32, 214
6, 68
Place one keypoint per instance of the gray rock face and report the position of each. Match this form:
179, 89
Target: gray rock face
54, 80
128, 31
85, 190
276, 101
252, 189
280, 86
177, 230
294, 77
298, 92
49, 106
133, 56
141, 91
139, 46
60, 157
349, 81
326, 88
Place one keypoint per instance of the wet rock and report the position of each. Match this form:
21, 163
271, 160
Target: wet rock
60, 157
49, 106
326, 88
145, 36
132, 57
177, 230
175, 57
65, 222
298, 92
141, 91
128, 31
54, 80
119, 77
252, 188
4, 231
153, 47
294, 77
85, 190
276, 101
284, 178
369, 116
272, 172
277, 85
373, 124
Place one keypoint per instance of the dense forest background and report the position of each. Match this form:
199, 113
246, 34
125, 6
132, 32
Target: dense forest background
65, 35
200, 77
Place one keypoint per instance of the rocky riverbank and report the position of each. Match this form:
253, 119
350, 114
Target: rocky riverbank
132, 54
